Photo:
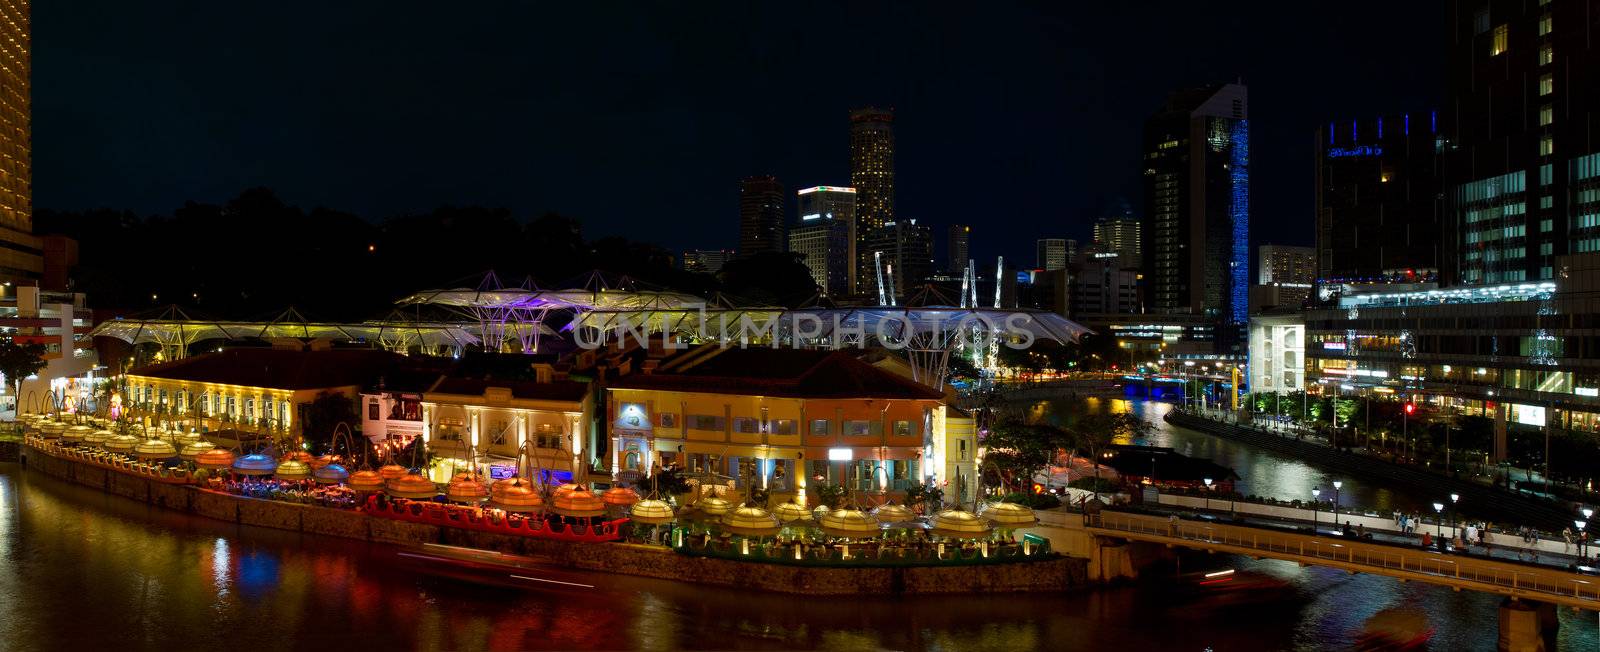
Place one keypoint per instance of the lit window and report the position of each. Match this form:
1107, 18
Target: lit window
1547, 146
1544, 24
1547, 84
1547, 54
1497, 45
1547, 115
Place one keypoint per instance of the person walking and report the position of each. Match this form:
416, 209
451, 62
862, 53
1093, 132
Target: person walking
1566, 540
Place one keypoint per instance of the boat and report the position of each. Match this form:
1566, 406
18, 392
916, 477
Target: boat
1396, 628
491, 567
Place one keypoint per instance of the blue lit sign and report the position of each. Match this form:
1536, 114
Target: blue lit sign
1358, 150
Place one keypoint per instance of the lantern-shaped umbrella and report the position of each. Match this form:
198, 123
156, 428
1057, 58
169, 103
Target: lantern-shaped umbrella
466, 488
154, 449
751, 522
123, 443
620, 496
52, 429
959, 524
300, 456
1009, 515
365, 481
852, 523
216, 458
292, 469
714, 506
255, 464
411, 485
192, 450
98, 438
76, 433
790, 512
330, 474
652, 512
515, 496
578, 501
892, 513
391, 471
184, 438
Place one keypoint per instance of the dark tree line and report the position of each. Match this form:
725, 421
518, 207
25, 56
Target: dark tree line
255, 255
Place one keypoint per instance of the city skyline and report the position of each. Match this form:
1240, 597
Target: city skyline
512, 153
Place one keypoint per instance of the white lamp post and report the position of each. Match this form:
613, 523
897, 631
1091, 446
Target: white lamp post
1314, 494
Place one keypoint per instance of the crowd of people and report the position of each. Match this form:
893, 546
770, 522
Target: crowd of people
306, 492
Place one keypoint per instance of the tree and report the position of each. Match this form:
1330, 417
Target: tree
777, 278
18, 361
1092, 433
322, 415
1018, 451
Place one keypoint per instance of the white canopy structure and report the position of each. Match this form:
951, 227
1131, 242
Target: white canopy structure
174, 330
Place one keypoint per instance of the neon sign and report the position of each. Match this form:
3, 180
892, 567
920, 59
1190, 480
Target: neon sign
1358, 150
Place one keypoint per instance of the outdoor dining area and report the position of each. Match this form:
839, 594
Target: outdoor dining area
888, 534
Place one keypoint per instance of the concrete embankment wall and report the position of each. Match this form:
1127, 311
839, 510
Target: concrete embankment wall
1054, 574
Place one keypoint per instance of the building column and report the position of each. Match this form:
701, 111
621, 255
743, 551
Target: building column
1501, 414
1527, 626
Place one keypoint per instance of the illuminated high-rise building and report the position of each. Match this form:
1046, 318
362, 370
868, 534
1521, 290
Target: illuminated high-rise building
1379, 204
1119, 235
1051, 254
906, 250
760, 215
21, 256
1197, 198
872, 175
958, 246
825, 235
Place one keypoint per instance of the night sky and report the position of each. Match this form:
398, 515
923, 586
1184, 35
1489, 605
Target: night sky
1023, 119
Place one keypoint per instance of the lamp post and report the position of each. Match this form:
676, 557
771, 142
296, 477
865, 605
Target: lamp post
1453, 499
1581, 540
1208, 493
1438, 523
1314, 494
1336, 485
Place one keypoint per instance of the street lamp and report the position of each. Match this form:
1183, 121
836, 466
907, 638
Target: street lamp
1336, 485
1438, 523
1314, 493
1581, 541
1453, 499
1208, 493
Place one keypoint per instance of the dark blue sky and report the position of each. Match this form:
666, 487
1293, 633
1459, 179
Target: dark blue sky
1022, 119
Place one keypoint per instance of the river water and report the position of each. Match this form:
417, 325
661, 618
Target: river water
83, 570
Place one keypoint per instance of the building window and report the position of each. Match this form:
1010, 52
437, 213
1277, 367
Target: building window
1497, 45
1547, 115
1547, 54
1547, 145
1545, 25
1547, 84
783, 426
667, 419
857, 427
819, 427
706, 422
373, 413
746, 425
902, 428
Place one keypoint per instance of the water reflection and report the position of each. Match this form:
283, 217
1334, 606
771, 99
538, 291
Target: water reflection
83, 570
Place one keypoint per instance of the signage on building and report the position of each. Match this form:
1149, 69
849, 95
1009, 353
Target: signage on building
1358, 150
1333, 346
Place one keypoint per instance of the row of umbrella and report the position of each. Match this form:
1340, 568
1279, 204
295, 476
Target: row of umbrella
750, 520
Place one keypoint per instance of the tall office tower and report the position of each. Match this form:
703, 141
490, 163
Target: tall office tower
1197, 197
826, 234
1522, 170
872, 175
21, 254
1378, 199
1119, 235
1050, 254
906, 250
709, 261
958, 247
760, 215
1286, 264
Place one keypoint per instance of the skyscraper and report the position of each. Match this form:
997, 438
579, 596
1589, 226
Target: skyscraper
760, 215
1050, 254
1522, 171
1286, 274
1119, 235
906, 250
872, 175
1197, 197
21, 255
1378, 198
958, 241
825, 235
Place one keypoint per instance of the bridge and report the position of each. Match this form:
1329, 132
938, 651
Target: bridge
1533, 590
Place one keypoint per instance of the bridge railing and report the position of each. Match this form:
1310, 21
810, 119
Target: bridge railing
1454, 569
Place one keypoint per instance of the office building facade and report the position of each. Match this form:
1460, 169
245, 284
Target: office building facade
761, 224
1379, 203
1522, 171
1197, 198
21, 254
825, 237
958, 248
872, 175
1050, 254
1120, 235
905, 250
